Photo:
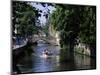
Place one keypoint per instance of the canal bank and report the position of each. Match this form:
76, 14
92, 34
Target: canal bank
18, 52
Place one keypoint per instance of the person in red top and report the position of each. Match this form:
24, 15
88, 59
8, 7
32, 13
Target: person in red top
45, 52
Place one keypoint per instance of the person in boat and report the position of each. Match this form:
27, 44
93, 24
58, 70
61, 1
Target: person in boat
46, 52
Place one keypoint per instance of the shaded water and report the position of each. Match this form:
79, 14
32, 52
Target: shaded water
37, 63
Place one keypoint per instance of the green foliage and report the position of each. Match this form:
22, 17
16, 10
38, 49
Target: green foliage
24, 18
75, 22
88, 25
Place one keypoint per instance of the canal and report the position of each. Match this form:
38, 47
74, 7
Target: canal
36, 62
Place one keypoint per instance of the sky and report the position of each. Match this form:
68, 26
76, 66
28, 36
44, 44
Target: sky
44, 10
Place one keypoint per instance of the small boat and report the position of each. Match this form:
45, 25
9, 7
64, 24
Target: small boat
46, 53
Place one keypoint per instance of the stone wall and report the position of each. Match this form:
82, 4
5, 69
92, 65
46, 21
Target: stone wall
82, 49
55, 34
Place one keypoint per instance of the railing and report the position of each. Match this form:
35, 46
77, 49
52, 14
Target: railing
47, 39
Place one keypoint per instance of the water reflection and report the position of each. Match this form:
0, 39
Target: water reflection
84, 62
37, 63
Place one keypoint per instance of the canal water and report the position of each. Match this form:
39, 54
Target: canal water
36, 62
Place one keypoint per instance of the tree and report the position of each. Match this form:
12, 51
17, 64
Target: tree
87, 32
24, 18
74, 22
